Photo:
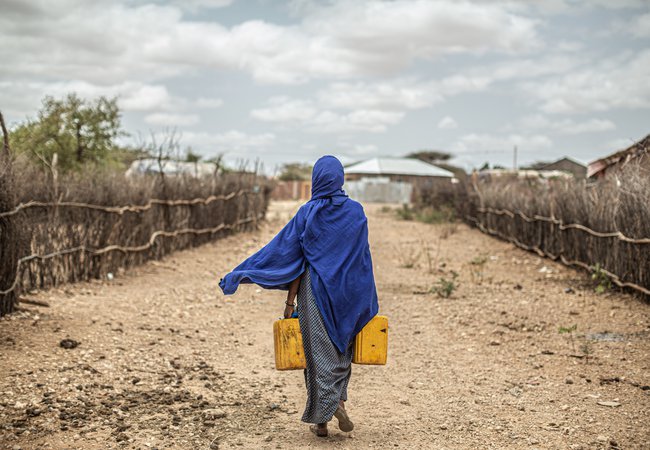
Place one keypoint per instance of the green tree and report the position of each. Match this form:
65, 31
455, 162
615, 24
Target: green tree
295, 172
430, 156
439, 159
192, 157
77, 130
219, 164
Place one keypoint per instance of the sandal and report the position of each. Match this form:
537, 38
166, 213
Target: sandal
345, 424
318, 430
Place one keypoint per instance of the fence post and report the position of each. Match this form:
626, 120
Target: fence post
5, 135
9, 239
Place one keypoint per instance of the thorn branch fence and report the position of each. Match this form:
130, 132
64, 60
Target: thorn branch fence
99, 224
604, 224
481, 224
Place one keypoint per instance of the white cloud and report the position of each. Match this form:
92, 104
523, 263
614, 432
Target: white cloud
362, 120
23, 98
364, 149
301, 8
307, 116
357, 38
461, 83
488, 143
208, 103
569, 46
400, 94
616, 145
619, 82
388, 101
565, 126
172, 120
142, 97
546, 65
422, 28
340, 40
232, 141
285, 110
573, 7
640, 26
637, 26
608, 4
387, 95
365, 65
196, 5
447, 123
351, 152
364, 106
95, 42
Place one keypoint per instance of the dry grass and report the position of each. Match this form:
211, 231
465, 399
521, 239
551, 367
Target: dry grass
442, 203
619, 203
9, 246
54, 229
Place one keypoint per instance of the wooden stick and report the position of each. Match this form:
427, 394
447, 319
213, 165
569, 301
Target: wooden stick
5, 134
30, 301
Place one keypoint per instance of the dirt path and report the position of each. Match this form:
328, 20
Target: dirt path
166, 361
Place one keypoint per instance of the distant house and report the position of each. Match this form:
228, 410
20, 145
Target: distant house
565, 164
393, 180
398, 169
292, 190
509, 174
639, 152
170, 167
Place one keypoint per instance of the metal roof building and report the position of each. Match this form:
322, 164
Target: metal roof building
638, 151
397, 166
170, 167
394, 180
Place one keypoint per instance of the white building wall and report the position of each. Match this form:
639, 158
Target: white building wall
379, 190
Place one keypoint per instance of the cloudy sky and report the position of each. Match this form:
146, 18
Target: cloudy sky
292, 80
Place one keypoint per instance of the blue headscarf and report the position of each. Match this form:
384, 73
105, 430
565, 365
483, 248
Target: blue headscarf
329, 236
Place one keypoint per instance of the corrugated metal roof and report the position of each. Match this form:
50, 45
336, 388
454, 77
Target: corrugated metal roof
397, 166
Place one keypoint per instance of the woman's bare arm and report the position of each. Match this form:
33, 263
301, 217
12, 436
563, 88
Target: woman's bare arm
293, 289
291, 297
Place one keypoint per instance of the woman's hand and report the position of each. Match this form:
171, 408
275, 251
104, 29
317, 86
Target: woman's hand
288, 311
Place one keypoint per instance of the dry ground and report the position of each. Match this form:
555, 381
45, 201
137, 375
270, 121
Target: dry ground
166, 361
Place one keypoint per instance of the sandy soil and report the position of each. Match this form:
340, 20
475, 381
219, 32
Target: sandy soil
166, 361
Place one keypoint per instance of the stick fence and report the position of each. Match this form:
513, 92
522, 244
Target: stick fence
57, 230
604, 224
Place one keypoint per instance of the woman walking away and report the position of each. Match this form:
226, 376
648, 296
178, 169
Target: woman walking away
322, 256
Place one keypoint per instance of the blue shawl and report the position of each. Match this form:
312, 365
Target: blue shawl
328, 236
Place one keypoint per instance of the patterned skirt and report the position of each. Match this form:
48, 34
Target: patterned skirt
328, 371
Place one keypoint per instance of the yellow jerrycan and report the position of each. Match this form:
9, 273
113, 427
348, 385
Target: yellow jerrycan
289, 352
371, 344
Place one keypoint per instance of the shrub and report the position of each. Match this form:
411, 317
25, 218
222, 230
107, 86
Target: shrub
445, 287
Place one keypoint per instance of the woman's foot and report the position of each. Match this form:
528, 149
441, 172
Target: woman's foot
345, 424
319, 430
